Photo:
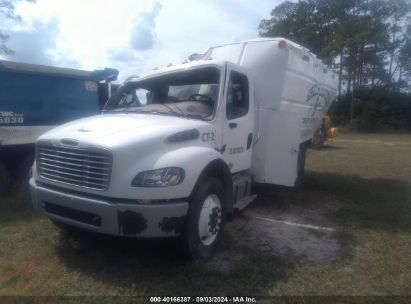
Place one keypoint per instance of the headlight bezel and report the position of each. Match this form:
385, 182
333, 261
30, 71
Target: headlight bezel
166, 177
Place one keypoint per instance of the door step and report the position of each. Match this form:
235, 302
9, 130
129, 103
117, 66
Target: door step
240, 205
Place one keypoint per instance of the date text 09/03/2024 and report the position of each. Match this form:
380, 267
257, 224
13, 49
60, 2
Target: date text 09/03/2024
203, 299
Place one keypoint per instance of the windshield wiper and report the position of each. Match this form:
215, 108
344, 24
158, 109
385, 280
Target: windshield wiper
181, 113
171, 110
113, 110
189, 115
195, 116
177, 107
138, 110
128, 110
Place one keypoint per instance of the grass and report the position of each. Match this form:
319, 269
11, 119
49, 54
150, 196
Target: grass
369, 176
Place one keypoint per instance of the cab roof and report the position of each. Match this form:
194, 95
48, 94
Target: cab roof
176, 68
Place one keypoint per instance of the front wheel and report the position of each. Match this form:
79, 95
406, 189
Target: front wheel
206, 220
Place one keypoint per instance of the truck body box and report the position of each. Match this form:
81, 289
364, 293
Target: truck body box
35, 98
293, 90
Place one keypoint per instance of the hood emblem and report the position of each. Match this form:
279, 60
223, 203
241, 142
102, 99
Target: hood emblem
83, 130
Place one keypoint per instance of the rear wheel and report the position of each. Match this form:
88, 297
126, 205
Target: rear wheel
206, 220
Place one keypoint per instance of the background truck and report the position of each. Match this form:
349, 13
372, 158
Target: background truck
34, 99
177, 150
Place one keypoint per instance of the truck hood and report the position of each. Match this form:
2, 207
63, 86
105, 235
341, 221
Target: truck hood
111, 130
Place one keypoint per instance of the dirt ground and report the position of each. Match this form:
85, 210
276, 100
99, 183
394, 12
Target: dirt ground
296, 230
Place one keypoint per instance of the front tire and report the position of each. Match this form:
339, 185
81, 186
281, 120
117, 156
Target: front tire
206, 220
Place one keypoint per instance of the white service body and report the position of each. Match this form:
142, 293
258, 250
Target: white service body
293, 91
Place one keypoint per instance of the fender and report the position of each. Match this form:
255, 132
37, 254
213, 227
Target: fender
219, 169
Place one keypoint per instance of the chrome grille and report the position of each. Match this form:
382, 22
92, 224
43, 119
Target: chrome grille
88, 168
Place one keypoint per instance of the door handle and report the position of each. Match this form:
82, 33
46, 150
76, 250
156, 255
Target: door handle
249, 140
232, 125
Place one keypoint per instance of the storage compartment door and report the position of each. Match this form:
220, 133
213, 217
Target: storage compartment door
275, 156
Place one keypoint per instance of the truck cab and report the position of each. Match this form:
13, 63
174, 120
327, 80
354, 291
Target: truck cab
158, 162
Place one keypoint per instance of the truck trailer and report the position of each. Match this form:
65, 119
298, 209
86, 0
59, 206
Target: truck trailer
178, 150
36, 98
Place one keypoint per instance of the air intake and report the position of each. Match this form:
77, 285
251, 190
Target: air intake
183, 136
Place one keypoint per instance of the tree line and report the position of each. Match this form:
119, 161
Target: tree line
367, 42
7, 12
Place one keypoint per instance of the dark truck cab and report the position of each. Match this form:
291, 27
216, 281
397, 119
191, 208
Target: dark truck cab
36, 98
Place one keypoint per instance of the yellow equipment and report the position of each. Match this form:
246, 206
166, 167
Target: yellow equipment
324, 132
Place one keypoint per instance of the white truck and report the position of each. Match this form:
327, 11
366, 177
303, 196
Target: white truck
177, 150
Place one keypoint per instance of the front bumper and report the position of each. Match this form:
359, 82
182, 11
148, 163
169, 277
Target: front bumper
108, 216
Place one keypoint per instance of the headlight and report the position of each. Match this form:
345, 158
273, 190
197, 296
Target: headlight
159, 178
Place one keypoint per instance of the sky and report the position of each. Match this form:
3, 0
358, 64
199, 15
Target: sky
132, 36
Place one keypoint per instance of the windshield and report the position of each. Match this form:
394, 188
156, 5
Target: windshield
190, 94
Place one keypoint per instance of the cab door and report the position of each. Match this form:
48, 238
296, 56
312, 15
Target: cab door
238, 119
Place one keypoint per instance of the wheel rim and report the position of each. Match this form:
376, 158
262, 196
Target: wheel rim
210, 219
